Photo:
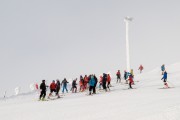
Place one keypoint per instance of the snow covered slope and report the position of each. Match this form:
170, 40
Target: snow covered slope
146, 102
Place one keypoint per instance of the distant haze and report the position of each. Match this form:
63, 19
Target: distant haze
50, 39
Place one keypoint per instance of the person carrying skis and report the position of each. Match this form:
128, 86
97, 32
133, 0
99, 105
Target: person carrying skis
58, 86
163, 69
108, 81
91, 84
52, 88
164, 78
130, 81
64, 84
141, 68
74, 87
118, 74
43, 90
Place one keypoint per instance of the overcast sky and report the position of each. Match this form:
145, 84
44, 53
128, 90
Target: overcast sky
50, 39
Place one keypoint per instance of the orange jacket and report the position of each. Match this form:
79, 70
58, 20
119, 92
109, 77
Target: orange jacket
108, 78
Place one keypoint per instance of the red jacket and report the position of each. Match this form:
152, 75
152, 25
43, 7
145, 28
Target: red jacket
118, 73
131, 79
141, 67
108, 78
53, 86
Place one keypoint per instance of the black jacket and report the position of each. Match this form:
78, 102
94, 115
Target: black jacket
43, 86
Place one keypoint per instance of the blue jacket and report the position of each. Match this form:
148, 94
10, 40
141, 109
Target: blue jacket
165, 75
92, 82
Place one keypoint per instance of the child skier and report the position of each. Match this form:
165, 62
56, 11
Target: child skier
164, 78
118, 74
141, 68
43, 90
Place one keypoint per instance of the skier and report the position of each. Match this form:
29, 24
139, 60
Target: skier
58, 86
126, 76
141, 68
43, 90
130, 81
52, 88
91, 84
74, 87
164, 78
64, 84
100, 82
163, 69
94, 88
81, 84
108, 81
85, 82
104, 82
118, 74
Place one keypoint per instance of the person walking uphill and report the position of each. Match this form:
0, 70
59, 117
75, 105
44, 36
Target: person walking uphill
164, 78
43, 90
92, 83
64, 84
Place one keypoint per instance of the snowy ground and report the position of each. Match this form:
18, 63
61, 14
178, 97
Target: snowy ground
146, 102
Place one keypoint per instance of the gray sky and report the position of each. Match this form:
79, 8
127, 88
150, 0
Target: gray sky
50, 39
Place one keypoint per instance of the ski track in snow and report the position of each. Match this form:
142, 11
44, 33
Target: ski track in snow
146, 102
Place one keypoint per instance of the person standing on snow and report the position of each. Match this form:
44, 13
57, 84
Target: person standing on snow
130, 81
163, 69
52, 88
108, 81
74, 87
100, 82
118, 74
126, 76
64, 84
81, 84
141, 68
164, 78
94, 88
43, 90
91, 84
58, 86
104, 81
